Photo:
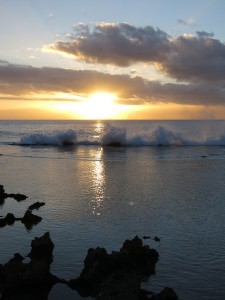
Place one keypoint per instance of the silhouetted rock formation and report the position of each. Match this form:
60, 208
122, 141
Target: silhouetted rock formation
165, 294
145, 237
119, 273
30, 219
4, 195
156, 238
33, 280
42, 248
8, 220
115, 276
17, 197
36, 205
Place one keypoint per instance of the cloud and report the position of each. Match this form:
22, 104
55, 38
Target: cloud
186, 57
3, 62
204, 34
25, 82
117, 44
189, 22
196, 58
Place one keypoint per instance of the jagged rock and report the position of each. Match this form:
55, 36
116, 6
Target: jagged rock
101, 270
8, 220
120, 286
166, 294
36, 205
33, 280
42, 247
156, 238
2, 190
30, 219
145, 237
4, 195
17, 197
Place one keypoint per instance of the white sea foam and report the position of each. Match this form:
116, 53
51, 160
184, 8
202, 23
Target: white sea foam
114, 136
120, 136
58, 139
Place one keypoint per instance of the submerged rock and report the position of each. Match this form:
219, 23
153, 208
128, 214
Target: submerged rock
145, 237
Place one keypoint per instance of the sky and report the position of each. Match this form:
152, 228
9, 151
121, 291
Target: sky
146, 59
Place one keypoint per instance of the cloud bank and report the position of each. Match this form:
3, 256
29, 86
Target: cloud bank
23, 81
196, 62
188, 58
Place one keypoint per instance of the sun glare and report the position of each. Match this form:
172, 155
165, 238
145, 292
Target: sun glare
97, 106
101, 106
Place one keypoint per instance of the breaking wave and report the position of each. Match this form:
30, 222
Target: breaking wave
59, 139
119, 136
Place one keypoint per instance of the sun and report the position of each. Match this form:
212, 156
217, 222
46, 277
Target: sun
101, 105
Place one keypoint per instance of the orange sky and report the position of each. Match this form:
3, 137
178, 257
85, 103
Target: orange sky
109, 62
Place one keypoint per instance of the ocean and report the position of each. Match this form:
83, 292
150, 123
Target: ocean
163, 178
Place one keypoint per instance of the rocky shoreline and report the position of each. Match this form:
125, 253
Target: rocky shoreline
115, 276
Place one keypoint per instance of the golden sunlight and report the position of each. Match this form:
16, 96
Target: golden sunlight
101, 106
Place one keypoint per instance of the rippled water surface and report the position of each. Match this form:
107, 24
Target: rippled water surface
99, 195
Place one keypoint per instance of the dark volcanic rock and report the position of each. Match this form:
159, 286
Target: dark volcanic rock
156, 238
30, 219
115, 276
145, 237
4, 195
166, 294
33, 280
36, 205
105, 274
2, 190
120, 286
42, 248
8, 220
17, 197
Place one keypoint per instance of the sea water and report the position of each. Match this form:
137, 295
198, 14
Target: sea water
164, 178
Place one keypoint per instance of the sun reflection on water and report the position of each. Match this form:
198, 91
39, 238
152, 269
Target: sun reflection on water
98, 182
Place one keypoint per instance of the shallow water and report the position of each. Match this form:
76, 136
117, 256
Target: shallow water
100, 196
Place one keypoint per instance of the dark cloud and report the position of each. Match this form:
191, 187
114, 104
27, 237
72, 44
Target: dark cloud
204, 34
25, 81
196, 58
120, 44
186, 58
3, 62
